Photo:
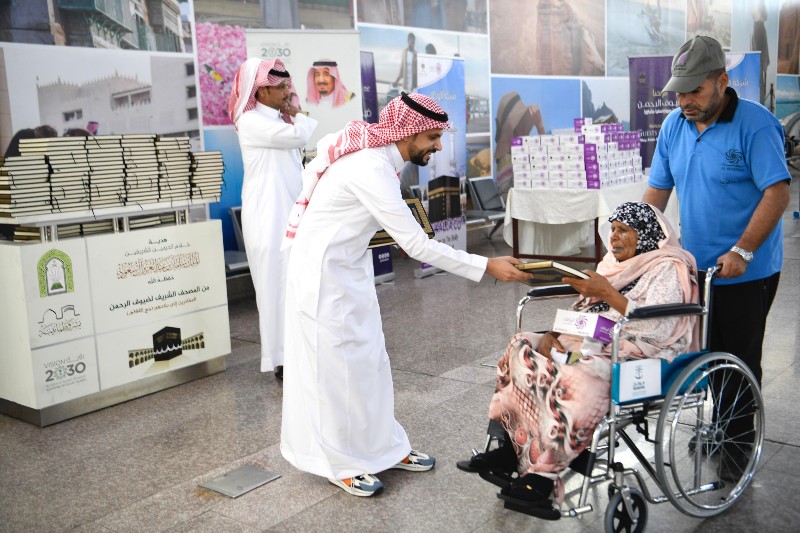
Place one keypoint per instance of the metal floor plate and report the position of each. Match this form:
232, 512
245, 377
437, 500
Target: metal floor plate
240, 481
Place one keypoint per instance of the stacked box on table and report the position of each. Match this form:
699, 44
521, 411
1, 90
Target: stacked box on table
593, 156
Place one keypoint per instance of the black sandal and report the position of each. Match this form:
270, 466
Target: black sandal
502, 460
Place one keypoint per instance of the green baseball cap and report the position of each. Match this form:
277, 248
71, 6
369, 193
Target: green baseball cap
693, 62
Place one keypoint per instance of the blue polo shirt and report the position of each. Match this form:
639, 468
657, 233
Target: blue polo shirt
719, 176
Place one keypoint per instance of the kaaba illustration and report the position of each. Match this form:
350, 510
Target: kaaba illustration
444, 198
167, 343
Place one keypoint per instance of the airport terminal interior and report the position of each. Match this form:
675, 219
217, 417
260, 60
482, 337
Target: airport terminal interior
138, 465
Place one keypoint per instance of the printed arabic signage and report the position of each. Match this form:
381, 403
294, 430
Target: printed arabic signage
146, 275
160, 300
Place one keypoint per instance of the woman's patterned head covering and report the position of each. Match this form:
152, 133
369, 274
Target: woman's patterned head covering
641, 217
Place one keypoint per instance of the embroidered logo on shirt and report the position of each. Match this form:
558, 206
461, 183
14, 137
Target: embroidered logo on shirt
734, 158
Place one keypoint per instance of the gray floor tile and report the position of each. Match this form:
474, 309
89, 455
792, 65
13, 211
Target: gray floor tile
137, 466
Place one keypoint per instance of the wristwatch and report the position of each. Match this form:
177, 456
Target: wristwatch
746, 255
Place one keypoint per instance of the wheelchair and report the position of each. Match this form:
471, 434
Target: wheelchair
690, 440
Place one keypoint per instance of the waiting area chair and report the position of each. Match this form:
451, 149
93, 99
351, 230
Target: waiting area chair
236, 260
489, 203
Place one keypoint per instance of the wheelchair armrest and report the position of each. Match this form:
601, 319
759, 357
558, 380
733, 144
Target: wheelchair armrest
666, 310
552, 290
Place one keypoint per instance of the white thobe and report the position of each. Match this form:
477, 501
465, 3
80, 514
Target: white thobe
338, 398
272, 182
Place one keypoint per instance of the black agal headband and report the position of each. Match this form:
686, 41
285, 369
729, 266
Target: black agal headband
422, 110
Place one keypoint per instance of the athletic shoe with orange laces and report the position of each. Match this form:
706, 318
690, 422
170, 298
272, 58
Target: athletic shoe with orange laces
416, 462
364, 485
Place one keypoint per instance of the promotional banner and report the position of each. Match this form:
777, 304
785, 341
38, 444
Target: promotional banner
442, 182
369, 87
325, 69
382, 267
649, 106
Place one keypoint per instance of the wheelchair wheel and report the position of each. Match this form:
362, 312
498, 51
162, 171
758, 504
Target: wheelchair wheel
617, 517
710, 435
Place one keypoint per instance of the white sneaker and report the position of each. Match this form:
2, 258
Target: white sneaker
364, 485
416, 462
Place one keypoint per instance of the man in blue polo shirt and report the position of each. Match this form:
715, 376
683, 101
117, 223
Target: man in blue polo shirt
725, 158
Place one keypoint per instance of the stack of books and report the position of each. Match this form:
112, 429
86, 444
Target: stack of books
107, 171
206, 178
69, 170
26, 233
86, 228
63, 174
24, 186
141, 168
149, 221
174, 168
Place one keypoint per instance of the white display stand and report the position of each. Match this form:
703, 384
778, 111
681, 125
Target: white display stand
94, 321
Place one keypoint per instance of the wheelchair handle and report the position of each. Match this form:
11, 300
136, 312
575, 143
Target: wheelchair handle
658, 311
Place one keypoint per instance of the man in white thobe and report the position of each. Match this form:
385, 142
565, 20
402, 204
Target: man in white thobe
271, 133
338, 400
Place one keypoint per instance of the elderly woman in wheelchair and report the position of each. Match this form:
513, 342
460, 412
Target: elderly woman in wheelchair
550, 409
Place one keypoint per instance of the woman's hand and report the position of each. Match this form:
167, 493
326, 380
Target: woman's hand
597, 286
548, 341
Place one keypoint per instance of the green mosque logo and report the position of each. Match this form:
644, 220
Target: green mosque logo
55, 273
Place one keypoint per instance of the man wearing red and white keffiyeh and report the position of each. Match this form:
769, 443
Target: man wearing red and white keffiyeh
271, 131
338, 403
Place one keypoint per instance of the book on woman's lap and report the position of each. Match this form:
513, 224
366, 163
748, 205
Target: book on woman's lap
549, 273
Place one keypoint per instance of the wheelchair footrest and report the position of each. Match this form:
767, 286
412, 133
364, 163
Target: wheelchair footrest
543, 510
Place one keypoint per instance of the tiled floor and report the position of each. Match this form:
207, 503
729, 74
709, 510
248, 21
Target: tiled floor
137, 466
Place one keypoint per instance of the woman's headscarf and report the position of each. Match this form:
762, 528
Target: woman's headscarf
641, 217
405, 115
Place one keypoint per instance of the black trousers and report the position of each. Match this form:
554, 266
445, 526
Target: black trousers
739, 317
737, 323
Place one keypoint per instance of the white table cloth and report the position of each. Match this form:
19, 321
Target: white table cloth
561, 221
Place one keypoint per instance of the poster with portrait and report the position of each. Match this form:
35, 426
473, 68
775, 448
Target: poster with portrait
326, 72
